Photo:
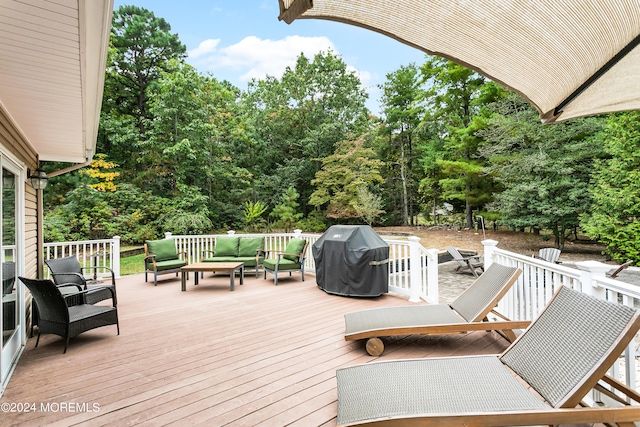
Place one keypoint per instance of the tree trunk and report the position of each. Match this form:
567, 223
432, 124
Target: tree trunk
468, 210
403, 177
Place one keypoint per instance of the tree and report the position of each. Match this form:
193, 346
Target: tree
367, 205
286, 211
403, 110
349, 169
141, 46
299, 119
614, 216
544, 169
453, 97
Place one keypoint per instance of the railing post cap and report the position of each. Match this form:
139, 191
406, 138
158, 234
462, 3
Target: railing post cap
593, 266
231, 232
413, 238
490, 242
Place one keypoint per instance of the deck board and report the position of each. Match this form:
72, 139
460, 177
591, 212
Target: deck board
260, 355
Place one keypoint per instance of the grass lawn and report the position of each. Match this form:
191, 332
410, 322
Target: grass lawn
132, 265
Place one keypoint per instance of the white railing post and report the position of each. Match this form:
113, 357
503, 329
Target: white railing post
167, 235
297, 233
415, 269
231, 232
115, 256
489, 252
589, 270
433, 289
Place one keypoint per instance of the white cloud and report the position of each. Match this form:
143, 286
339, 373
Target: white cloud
253, 57
204, 48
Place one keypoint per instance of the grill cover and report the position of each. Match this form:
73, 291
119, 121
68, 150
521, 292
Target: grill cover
352, 260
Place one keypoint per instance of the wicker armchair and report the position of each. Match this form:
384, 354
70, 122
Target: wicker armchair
68, 270
55, 317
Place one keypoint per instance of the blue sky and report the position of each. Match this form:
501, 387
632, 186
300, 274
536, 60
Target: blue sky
237, 40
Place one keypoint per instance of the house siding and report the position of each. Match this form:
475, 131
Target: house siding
12, 142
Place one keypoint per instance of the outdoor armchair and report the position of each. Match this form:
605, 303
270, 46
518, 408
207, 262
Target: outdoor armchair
68, 270
291, 259
56, 317
161, 257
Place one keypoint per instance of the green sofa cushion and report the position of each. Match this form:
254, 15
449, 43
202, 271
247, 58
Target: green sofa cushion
250, 245
295, 246
164, 249
227, 246
170, 265
285, 264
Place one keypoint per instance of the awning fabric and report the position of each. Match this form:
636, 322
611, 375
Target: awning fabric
569, 58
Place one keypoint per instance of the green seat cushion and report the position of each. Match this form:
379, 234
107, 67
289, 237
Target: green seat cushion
164, 249
285, 264
227, 246
170, 265
249, 261
250, 245
295, 246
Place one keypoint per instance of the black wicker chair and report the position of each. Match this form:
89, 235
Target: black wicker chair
68, 270
55, 317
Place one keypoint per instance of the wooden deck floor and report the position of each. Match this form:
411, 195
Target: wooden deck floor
261, 355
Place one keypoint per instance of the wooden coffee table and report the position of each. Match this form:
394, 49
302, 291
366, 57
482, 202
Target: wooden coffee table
230, 267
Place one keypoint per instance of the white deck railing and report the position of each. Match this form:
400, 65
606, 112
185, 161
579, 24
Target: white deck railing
104, 252
539, 281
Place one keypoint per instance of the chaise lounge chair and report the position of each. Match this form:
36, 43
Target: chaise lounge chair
467, 313
542, 378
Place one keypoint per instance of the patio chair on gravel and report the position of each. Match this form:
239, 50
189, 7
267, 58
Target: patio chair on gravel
470, 263
68, 270
466, 313
56, 317
541, 379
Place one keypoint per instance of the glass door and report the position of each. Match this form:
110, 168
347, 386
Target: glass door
12, 309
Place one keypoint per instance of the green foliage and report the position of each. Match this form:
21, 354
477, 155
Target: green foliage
455, 97
186, 153
403, 109
253, 216
367, 205
285, 212
315, 222
614, 215
349, 169
298, 120
545, 170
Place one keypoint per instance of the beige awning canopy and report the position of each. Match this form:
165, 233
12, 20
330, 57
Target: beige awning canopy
569, 58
